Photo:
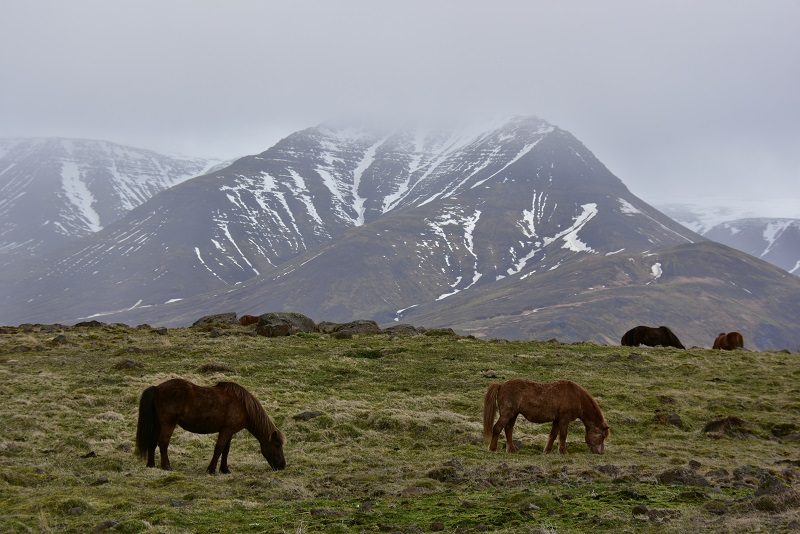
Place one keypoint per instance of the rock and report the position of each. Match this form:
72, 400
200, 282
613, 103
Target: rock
663, 418
750, 474
608, 469
89, 324
451, 472
361, 326
682, 476
401, 330
75, 510
327, 327
90, 454
215, 332
771, 485
60, 339
437, 526
178, 503
127, 364
274, 330
49, 328
782, 430
225, 319
144, 326
718, 474
105, 525
306, 416
694, 465
215, 367
161, 331
489, 374
343, 334
731, 426
296, 321
639, 511
439, 332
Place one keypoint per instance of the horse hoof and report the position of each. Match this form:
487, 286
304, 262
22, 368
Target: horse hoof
225, 471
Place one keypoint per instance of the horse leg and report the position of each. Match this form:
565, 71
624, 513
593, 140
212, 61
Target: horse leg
509, 428
223, 439
562, 436
498, 427
552, 438
163, 444
151, 456
223, 464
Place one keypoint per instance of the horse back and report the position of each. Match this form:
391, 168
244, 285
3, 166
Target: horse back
735, 340
541, 402
198, 409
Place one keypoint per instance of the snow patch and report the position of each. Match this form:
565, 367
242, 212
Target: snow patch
656, 270
79, 195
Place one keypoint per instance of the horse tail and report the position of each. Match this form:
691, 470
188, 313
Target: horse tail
489, 410
147, 428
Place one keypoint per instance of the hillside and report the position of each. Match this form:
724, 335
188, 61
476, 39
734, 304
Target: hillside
396, 443
445, 211
774, 240
56, 190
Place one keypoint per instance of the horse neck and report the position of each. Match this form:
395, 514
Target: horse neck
258, 423
591, 413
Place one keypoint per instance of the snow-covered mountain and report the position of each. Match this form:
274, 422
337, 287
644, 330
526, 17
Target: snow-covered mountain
774, 240
54, 190
444, 210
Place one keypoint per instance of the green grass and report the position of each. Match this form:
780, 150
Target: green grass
398, 447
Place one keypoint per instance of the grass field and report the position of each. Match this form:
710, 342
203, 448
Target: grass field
397, 446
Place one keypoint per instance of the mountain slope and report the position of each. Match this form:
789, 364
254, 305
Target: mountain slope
221, 229
774, 240
53, 191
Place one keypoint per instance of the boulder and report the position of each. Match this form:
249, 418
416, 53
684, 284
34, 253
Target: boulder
90, 324
327, 327
296, 322
360, 326
401, 330
438, 332
216, 319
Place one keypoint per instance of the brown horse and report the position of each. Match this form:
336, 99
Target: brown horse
226, 408
560, 402
729, 341
247, 320
651, 336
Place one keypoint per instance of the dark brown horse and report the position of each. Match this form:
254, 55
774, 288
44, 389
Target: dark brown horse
729, 341
226, 408
651, 336
560, 402
247, 320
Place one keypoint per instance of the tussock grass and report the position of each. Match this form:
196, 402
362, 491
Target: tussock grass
398, 444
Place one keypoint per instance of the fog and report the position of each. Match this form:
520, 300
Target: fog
684, 101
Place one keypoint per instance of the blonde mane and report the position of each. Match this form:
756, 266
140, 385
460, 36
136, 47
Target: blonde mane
258, 422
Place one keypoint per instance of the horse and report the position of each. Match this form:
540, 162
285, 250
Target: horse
729, 341
651, 336
226, 408
247, 320
560, 402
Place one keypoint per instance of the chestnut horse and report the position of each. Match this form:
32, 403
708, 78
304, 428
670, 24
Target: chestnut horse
651, 336
560, 402
729, 341
226, 408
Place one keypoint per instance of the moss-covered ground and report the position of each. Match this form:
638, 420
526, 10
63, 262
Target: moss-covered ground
397, 446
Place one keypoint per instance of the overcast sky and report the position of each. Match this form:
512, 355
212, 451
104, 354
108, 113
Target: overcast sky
682, 100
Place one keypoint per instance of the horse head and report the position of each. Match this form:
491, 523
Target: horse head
596, 436
272, 449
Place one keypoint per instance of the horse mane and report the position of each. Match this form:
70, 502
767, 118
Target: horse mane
587, 397
259, 423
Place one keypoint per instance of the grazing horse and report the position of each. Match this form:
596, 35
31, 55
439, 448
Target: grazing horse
560, 402
247, 320
226, 408
729, 341
651, 336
